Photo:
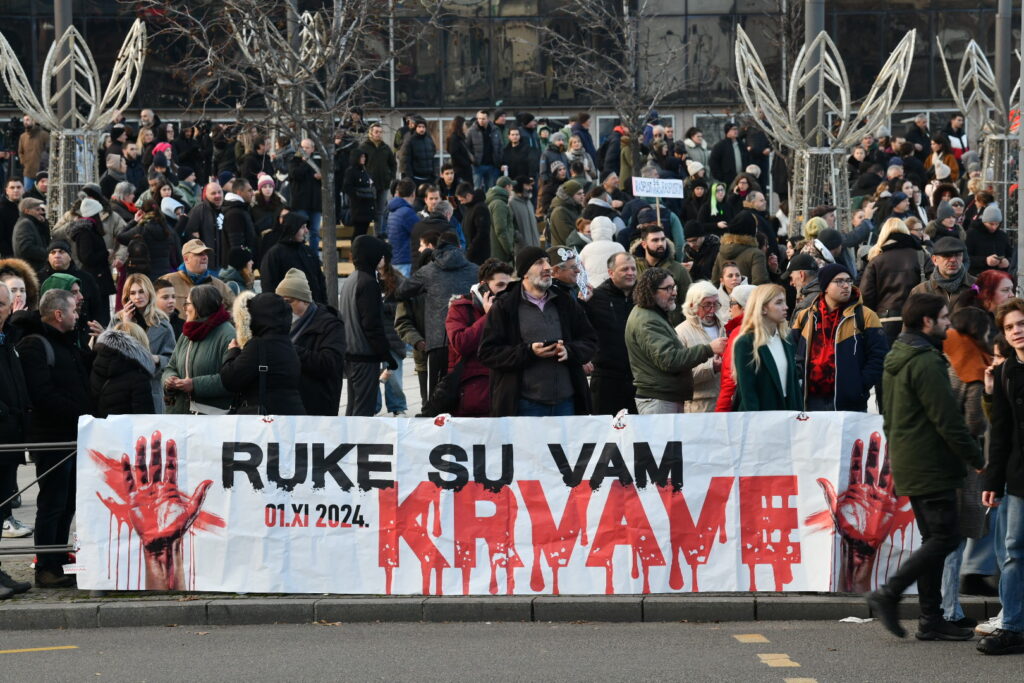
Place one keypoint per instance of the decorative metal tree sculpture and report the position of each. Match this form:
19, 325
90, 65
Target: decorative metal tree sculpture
71, 107
819, 122
976, 95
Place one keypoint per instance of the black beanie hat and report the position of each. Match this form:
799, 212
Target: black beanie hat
693, 229
238, 257
829, 272
742, 223
526, 257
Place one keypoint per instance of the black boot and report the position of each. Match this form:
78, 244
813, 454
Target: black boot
886, 608
47, 578
16, 587
1002, 642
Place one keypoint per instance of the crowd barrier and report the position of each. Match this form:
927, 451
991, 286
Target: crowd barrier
582, 505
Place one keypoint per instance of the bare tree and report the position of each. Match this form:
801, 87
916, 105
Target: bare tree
617, 55
304, 72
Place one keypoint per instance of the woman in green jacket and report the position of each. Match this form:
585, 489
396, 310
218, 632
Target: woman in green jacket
763, 360
192, 377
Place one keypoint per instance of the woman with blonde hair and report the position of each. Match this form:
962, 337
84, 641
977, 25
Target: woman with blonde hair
763, 361
139, 306
894, 268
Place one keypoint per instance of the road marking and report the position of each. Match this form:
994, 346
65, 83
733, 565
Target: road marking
776, 660
39, 649
750, 638
800, 680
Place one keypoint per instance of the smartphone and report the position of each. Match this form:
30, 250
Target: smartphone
549, 342
483, 289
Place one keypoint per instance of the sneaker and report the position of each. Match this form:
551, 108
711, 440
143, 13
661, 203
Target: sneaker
1002, 642
942, 630
15, 529
46, 578
16, 587
990, 626
886, 608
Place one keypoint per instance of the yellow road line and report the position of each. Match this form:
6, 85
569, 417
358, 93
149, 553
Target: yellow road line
39, 649
750, 638
776, 660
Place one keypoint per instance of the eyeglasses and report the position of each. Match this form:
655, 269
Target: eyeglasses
711, 306
843, 282
668, 288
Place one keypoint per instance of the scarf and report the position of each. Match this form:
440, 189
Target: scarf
198, 330
821, 360
951, 284
196, 279
968, 359
300, 325
130, 206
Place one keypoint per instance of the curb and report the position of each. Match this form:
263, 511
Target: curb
252, 611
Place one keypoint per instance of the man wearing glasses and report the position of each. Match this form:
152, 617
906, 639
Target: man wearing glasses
840, 346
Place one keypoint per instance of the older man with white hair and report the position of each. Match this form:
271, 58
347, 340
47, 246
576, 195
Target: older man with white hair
701, 327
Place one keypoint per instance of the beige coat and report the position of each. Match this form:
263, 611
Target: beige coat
706, 382
31, 147
182, 285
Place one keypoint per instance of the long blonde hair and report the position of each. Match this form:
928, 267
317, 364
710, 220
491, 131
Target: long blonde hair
891, 226
755, 321
151, 314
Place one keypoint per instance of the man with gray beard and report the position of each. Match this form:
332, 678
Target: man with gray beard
535, 343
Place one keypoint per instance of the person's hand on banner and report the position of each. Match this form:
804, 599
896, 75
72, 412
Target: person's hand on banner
153, 506
864, 515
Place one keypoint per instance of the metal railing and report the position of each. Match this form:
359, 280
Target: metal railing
28, 447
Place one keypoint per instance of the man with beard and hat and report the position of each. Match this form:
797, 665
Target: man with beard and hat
535, 343
652, 250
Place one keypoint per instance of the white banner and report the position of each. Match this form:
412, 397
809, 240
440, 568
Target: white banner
657, 187
718, 502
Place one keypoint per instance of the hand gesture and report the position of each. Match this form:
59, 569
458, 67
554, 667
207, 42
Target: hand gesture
487, 299
542, 351
127, 313
993, 260
865, 514
153, 506
718, 345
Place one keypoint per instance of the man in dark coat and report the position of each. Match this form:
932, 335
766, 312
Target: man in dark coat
476, 224
206, 220
382, 166
290, 252
57, 375
14, 413
486, 146
366, 343
257, 161
611, 382
304, 188
536, 343
448, 275
728, 157
9, 215
239, 230
31, 233
319, 338
701, 250
58, 260
418, 154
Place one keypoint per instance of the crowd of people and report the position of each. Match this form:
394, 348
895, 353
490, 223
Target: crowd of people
526, 280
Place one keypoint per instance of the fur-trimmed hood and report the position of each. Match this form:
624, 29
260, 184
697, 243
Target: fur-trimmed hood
124, 345
242, 318
27, 273
747, 240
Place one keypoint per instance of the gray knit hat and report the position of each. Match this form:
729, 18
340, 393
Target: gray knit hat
295, 286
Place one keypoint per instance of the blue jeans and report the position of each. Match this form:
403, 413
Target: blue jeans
403, 268
951, 610
29, 183
484, 177
393, 394
980, 554
1011, 583
314, 227
528, 408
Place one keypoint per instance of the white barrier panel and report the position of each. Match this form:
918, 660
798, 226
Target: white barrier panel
673, 503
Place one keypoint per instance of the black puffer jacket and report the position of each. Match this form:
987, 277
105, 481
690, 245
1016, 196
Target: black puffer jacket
418, 157
59, 391
607, 311
121, 376
161, 242
14, 402
320, 343
239, 230
886, 282
91, 252
287, 254
270, 346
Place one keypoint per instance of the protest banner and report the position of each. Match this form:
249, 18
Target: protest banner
582, 505
657, 187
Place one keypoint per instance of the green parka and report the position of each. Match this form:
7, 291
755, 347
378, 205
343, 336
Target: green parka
503, 227
662, 367
929, 443
201, 361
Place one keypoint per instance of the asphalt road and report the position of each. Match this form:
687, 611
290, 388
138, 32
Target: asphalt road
756, 651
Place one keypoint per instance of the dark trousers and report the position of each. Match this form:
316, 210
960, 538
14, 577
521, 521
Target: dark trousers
422, 377
362, 388
939, 522
8, 485
437, 367
55, 507
612, 394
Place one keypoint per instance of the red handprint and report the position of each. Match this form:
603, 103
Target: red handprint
151, 504
865, 514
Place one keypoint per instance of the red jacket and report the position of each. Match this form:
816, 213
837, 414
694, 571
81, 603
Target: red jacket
728, 386
465, 328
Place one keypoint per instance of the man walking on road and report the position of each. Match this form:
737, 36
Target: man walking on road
929, 444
